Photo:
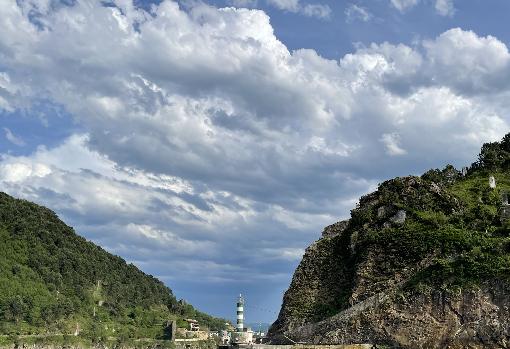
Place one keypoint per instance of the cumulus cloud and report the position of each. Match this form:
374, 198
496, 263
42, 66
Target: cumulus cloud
227, 90
468, 62
310, 10
200, 127
354, 12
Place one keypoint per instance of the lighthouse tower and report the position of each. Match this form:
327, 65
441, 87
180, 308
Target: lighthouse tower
241, 335
240, 314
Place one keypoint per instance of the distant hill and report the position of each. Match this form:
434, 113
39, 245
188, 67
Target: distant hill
258, 326
423, 262
54, 281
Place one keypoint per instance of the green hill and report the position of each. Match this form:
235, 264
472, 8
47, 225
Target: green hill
53, 281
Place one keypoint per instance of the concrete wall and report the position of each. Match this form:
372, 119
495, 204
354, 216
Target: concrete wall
311, 346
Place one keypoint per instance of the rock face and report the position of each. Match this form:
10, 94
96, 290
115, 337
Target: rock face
320, 284
433, 319
409, 269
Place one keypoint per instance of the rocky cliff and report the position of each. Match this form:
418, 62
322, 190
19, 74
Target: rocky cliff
423, 262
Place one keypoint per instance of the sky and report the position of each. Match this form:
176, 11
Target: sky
209, 142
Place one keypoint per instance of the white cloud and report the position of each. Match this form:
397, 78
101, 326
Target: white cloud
10, 93
391, 142
442, 7
445, 7
291, 254
243, 3
354, 12
317, 10
229, 91
311, 10
287, 5
11, 137
18, 172
403, 5
168, 240
469, 62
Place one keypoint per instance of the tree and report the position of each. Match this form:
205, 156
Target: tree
489, 156
16, 309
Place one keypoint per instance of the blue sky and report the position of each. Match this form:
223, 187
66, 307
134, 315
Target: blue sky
210, 142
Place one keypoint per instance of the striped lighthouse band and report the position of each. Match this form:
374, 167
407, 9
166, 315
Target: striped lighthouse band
240, 315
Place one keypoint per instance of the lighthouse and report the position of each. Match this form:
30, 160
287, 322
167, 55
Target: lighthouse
241, 335
240, 314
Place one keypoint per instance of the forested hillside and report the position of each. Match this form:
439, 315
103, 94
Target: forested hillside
53, 281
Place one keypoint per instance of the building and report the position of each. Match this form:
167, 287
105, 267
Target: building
193, 325
225, 337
